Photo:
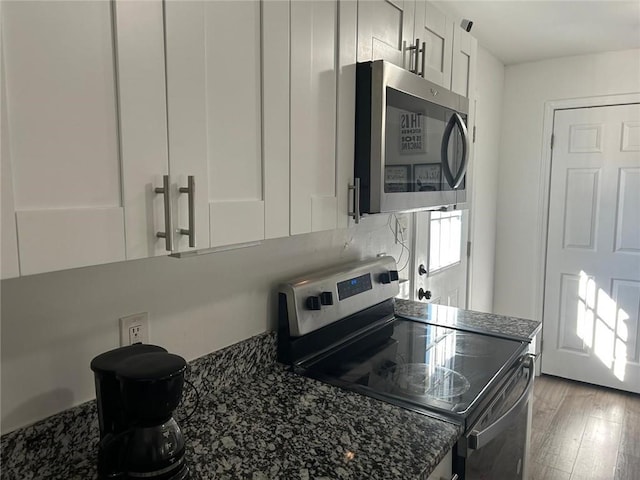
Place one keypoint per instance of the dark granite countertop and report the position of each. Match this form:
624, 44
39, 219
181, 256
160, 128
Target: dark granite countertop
256, 421
498, 325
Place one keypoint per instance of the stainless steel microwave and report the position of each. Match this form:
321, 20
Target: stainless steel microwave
412, 144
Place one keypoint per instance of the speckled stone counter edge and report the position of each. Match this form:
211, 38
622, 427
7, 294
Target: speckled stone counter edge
76, 430
499, 325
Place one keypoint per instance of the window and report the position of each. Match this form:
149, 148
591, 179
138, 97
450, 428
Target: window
445, 235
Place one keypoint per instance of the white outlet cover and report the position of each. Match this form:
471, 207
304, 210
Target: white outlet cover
137, 319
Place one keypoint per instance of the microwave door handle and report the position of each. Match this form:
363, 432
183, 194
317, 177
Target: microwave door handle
478, 439
465, 150
455, 121
444, 152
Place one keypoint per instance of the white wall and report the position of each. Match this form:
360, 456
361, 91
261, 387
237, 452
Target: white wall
527, 87
484, 172
54, 324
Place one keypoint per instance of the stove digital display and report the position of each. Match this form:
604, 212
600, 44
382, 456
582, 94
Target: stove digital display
354, 286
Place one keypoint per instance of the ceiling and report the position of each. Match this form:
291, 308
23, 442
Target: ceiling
518, 31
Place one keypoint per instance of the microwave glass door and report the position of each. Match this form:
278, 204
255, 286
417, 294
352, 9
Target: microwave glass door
425, 147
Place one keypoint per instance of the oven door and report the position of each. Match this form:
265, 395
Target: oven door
412, 144
496, 446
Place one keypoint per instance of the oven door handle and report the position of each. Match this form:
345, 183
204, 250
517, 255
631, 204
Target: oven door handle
478, 439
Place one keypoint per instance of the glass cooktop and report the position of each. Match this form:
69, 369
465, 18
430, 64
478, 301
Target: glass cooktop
424, 365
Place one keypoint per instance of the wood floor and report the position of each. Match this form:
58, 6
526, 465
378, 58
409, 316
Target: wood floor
581, 431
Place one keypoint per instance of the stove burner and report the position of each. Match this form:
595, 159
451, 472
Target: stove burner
428, 380
472, 346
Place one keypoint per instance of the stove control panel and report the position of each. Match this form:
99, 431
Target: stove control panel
321, 298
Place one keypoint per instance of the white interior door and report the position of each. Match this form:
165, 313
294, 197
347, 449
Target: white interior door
592, 285
440, 249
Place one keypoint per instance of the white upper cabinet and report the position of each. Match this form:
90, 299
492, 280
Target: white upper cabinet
322, 106
418, 36
215, 123
463, 69
9, 239
435, 34
62, 132
227, 128
314, 27
69, 145
143, 123
385, 30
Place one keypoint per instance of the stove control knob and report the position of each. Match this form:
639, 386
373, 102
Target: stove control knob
388, 277
326, 298
313, 303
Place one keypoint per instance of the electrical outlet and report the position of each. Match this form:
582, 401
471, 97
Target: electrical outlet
134, 329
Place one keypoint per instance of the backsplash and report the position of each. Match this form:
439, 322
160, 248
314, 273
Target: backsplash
196, 306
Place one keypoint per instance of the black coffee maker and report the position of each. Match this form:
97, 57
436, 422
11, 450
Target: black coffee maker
137, 389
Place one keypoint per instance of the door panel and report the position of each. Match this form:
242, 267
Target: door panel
581, 204
627, 231
214, 113
385, 29
59, 239
592, 286
313, 115
9, 240
275, 113
142, 114
463, 68
246, 216
63, 133
433, 28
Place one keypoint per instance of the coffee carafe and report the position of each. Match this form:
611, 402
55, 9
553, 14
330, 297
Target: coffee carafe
137, 389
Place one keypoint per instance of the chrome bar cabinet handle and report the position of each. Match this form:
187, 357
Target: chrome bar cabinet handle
413, 49
164, 190
355, 214
190, 190
417, 57
424, 55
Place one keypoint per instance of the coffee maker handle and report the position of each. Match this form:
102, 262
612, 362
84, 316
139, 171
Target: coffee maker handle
111, 455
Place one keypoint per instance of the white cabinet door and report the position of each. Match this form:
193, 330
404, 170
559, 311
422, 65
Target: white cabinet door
214, 93
314, 63
84, 133
385, 30
463, 68
62, 133
275, 114
143, 123
436, 31
9, 239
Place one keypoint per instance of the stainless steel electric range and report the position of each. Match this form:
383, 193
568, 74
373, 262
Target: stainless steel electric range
339, 326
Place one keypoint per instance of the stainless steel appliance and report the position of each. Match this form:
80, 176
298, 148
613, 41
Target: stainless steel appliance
137, 389
412, 144
339, 326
